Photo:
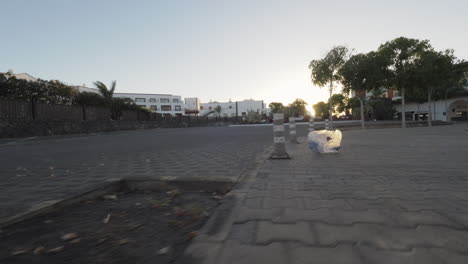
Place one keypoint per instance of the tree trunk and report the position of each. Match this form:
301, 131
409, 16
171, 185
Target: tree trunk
403, 110
446, 106
330, 110
429, 110
363, 126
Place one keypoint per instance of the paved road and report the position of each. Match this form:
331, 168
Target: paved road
388, 196
40, 169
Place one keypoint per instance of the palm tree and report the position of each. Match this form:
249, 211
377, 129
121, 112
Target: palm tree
108, 95
106, 92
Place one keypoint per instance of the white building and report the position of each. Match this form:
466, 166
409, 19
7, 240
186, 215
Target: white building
192, 106
456, 107
165, 104
233, 109
83, 88
19, 76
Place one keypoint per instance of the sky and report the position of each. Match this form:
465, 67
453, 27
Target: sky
215, 50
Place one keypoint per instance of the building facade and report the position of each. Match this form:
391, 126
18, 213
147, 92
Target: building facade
192, 106
19, 76
233, 109
165, 104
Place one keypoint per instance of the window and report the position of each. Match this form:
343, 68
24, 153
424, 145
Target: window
154, 107
166, 108
152, 100
177, 108
164, 100
140, 100
175, 100
230, 107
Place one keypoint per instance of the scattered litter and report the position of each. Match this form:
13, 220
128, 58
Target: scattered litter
324, 141
137, 204
48, 221
164, 251
106, 220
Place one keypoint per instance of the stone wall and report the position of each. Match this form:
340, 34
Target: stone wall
29, 128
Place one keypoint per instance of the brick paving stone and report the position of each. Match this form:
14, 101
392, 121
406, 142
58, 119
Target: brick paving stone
269, 203
268, 232
244, 214
235, 253
342, 254
393, 238
414, 256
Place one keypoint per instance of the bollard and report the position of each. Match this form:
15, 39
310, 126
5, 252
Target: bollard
311, 124
292, 130
327, 124
279, 146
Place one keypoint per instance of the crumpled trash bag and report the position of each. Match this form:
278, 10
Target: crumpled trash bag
324, 141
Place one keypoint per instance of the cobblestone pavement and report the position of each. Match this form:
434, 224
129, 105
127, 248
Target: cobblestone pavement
389, 196
37, 170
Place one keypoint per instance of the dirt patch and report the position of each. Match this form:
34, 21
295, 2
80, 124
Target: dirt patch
133, 227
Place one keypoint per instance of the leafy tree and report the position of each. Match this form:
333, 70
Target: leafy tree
86, 98
362, 73
339, 103
321, 109
298, 108
218, 110
400, 56
432, 71
455, 82
276, 107
325, 71
52, 92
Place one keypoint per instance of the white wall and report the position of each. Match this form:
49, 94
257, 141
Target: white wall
192, 104
231, 109
438, 107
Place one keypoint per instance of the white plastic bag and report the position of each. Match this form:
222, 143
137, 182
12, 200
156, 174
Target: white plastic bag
324, 141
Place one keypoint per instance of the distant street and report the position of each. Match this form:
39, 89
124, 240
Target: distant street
39, 169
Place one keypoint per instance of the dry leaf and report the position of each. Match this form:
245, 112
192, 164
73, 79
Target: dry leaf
106, 220
217, 197
179, 211
69, 236
192, 235
164, 251
123, 241
39, 250
19, 252
74, 241
109, 197
55, 250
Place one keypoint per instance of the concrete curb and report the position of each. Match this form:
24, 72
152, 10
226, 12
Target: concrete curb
205, 247
211, 184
